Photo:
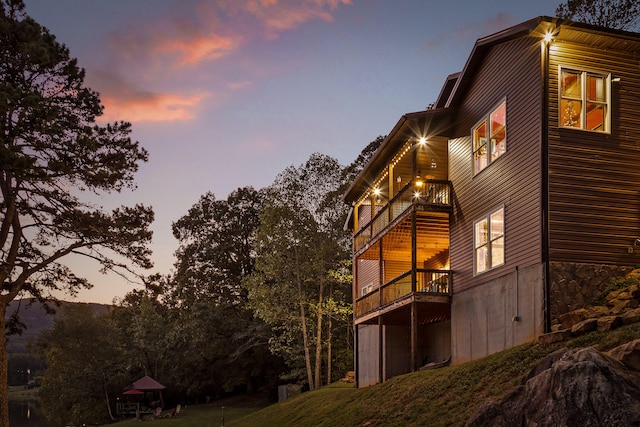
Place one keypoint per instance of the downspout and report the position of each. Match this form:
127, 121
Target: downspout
545, 185
354, 293
516, 316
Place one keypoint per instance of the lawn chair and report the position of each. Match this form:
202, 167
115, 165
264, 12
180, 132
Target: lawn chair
157, 414
176, 411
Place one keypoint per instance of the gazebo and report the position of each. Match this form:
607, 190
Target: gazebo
142, 387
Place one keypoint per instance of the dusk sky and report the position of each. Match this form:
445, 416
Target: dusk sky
228, 93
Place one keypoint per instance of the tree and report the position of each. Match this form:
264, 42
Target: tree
300, 240
52, 151
145, 321
216, 246
85, 367
215, 330
618, 14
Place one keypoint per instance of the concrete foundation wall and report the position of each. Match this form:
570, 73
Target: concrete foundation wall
397, 351
497, 315
367, 354
434, 342
434, 345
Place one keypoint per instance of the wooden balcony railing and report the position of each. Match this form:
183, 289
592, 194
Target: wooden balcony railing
434, 282
433, 194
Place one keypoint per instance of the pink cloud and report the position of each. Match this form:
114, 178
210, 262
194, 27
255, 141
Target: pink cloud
138, 106
155, 54
281, 15
162, 107
199, 48
212, 30
123, 100
239, 85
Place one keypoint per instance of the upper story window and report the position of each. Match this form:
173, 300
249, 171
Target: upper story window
584, 100
488, 241
490, 138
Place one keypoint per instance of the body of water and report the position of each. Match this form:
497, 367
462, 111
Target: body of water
26, 413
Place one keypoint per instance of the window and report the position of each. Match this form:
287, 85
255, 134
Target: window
490, 138
584, 100
366, 289
488, 241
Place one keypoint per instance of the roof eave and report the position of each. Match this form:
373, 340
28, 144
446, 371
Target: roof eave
388, 145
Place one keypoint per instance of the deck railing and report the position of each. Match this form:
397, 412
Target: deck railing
433, 282
433, 194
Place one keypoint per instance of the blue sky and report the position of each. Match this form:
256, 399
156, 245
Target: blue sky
228, 93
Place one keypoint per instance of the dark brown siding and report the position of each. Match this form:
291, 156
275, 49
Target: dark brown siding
594, 178
510, 71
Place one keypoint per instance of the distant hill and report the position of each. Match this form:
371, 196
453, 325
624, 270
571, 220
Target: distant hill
36, 318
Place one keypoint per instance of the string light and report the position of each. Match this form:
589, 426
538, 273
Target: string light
398, 157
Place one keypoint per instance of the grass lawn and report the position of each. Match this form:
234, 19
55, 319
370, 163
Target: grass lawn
205, 415
20, 392
441, 397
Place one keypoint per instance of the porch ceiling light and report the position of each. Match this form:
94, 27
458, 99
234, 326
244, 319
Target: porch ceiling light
422, 140
548, 37
419, 182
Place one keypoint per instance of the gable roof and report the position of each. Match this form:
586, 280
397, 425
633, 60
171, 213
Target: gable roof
593, 35
438, 120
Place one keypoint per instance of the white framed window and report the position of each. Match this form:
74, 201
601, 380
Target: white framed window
488, 241
585, 100
366, 289
490, 138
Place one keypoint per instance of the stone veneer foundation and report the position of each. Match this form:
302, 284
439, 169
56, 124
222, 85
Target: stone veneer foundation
577, 285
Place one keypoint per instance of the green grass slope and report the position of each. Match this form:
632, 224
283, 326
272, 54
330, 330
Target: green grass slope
443, 397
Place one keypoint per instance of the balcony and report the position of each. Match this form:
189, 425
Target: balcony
430, 285
432, 195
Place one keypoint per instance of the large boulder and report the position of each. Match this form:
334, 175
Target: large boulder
569, 387
628, 354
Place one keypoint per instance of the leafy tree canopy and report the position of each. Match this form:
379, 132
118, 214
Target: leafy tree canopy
51, 151
617, 14
299, 242
216, 246
86, 367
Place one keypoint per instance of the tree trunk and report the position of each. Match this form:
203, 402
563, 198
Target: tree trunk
106, 394
249, 380
318, 379
307, 356
4, 386
329, 337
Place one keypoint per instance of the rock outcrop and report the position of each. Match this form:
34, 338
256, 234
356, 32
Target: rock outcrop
621, 307
572, 387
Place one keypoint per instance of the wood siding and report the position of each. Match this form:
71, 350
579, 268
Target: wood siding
510, 71
594, 178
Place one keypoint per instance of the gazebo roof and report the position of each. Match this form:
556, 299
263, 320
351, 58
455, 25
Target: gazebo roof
146, 383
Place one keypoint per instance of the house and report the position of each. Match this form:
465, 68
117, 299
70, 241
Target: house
511, 201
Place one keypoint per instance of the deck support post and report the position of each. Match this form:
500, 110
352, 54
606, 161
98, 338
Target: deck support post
414, 336
380, 351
